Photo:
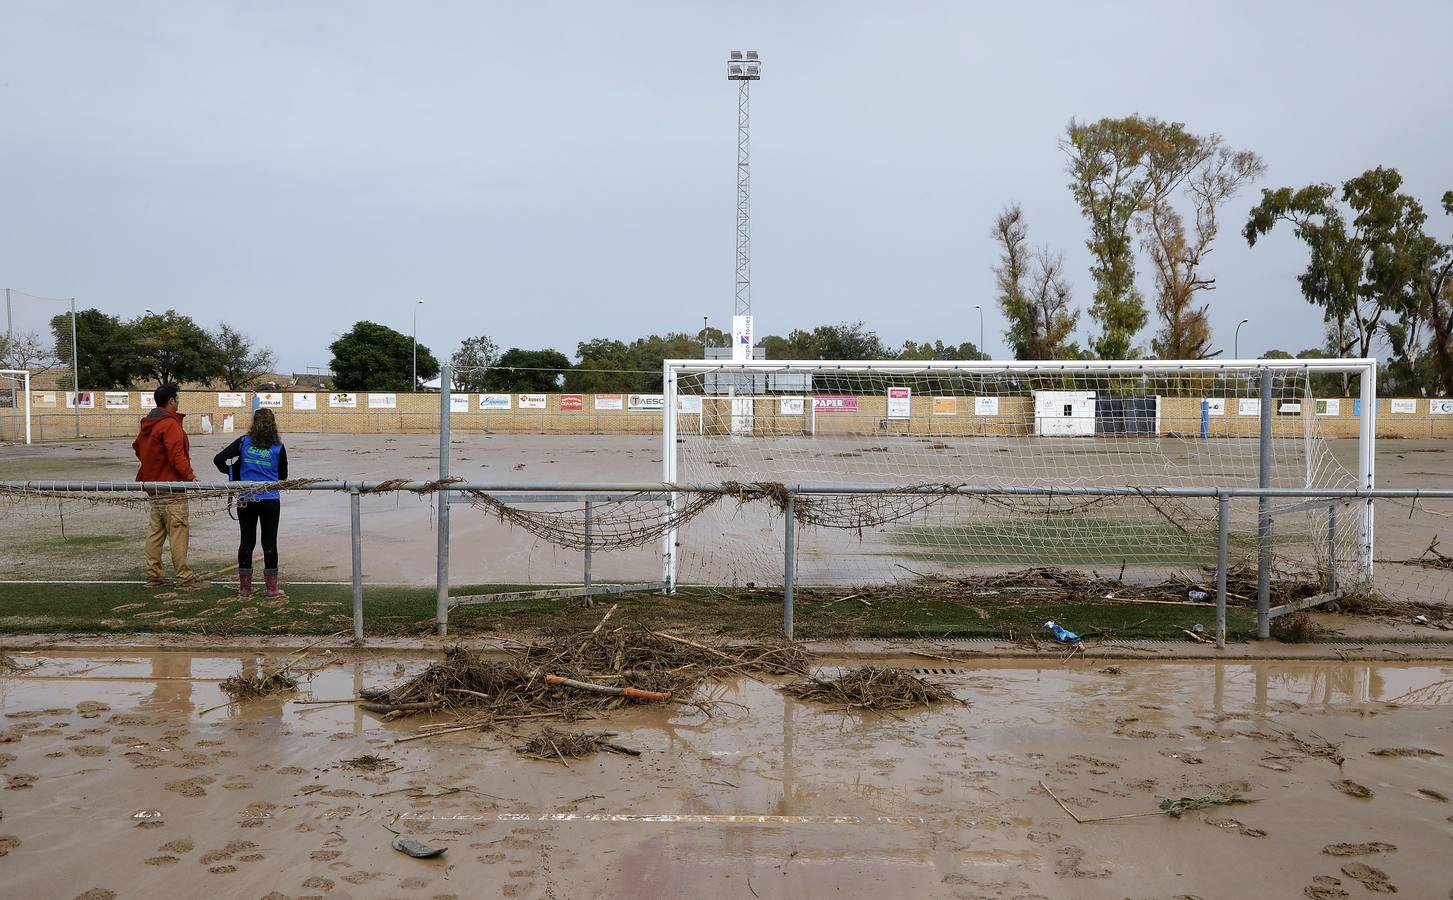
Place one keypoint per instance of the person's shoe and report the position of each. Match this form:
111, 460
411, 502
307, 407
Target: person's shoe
244, 583
269, 576
156, 582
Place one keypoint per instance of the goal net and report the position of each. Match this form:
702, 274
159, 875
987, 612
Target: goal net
14, 406
1054, 427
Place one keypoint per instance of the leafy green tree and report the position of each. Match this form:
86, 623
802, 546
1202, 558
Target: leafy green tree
1119, 168
1433, 300
471, 362
845, 340
373, 357
528, 371
938, 351
170, 348
104, 344
242, 360
1033, 293
1362, 264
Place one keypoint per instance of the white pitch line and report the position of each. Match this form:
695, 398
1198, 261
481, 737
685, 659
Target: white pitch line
684, 818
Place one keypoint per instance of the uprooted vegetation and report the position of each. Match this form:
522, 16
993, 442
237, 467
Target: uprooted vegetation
260, 684
872, 688
1295, 628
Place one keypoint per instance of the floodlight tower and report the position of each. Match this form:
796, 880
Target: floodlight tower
744, 67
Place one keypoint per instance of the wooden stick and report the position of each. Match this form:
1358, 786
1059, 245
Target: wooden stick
419, 737
617, 748
605, 619
469, 692
397, 707
635, 693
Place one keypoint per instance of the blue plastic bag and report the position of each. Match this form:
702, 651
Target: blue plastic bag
1063, 635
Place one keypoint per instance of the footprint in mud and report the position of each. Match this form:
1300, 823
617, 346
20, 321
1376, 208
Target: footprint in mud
361, 877
97, 894
6, 759
318, 883
324, 855
1325, 887
162, 861
191, 787
18, 782
491, 858
90, 709
1071, 864
1430, 794
1364, 849
222, 870
180, 845
8, 842
1417, 752
1374, 879
88, 750
414, 884
1353, 789
1042, 837
292, 770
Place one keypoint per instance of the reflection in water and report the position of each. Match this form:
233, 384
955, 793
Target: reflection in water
173, 689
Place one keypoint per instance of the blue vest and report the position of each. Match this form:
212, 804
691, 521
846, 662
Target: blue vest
257, 464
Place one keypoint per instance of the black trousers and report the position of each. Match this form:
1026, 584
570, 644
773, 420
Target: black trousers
249, 515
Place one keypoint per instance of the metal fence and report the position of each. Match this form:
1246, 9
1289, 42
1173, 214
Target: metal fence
1332, 499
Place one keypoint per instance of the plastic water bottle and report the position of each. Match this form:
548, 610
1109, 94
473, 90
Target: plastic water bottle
1198, 596
1063, 635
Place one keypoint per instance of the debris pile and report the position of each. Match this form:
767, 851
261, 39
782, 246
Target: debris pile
261, 684
1295, 628
872, 688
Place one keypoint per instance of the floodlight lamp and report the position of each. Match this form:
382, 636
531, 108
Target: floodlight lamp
734, 71
752, 54
736, 54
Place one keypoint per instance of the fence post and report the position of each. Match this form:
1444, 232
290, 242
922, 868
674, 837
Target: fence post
1223, 530
355, 513
588, 602
1263, 514
441, 578
1332, 549
789, 556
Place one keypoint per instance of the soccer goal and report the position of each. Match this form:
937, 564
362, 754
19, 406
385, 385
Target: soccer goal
15, 405
1061, 426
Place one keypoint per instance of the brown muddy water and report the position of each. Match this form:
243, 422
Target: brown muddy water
116, 779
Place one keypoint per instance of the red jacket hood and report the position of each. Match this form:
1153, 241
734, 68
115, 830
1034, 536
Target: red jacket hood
162, 448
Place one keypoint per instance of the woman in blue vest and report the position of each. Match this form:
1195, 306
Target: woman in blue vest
258, 455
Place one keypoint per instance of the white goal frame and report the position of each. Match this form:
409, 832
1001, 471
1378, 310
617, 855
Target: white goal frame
23, 375
1365, 369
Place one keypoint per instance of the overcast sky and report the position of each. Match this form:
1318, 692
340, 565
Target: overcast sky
547, 173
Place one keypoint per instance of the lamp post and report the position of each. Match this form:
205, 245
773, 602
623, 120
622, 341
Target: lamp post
1236, 340
415, 388
982, 354
704, 320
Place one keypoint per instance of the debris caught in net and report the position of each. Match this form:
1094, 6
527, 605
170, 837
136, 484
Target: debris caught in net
872, 688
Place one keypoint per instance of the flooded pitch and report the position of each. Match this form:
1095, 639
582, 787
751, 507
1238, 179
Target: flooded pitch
125, 773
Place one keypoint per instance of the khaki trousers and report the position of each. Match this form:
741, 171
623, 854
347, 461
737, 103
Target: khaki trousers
167, 523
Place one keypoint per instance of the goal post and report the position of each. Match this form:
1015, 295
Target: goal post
15, 403
1115, 424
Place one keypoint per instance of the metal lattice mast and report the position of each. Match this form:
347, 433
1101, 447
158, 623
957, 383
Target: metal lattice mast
744, 68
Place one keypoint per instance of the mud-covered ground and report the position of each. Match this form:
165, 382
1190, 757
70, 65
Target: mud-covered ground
120, 776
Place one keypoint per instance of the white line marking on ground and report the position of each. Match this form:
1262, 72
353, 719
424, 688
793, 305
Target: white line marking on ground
686, 818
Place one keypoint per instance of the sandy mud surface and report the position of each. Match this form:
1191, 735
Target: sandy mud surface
119, 776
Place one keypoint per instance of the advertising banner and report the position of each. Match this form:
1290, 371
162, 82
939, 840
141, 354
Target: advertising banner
791, 406
231, 400
383, 401
1440, 407
228, 422
42, 398
343, 401
1215, 406
986, 406
1329, 407
835, 404
494, 401
945, 406
305, 401
459, 403
1251, 407
83, 400
613, 401
900, 402
206, 423
647, 401
1404, 406
572, 402
532, 401
741, 338
118, 400
269, 400
687, 406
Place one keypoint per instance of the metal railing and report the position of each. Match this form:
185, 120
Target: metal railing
592, 492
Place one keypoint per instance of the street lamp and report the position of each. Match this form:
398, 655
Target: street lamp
704, 320
416, 348
982, 354
1236, 340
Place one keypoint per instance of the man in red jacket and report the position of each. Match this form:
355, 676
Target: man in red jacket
165, 454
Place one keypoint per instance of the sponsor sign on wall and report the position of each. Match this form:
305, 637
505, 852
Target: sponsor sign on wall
741, 338
986, 406
269, 400
229, 422
945, 406
305, 401
572, 402
1251, 407
82, 400
343, 401
1329, 407
459, 403
1440, 407
835, 404
790, 406
532, 401
617, 401
206, 423
231, 400
900, 402
494, 401
118, 400
1289, 408
686, 406
383, 401
1404, 406
42, 398
1215, 406
646, 401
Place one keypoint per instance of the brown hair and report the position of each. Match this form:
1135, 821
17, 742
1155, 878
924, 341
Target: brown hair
263, 432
